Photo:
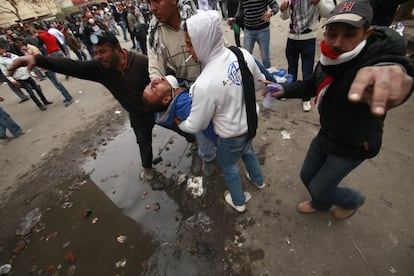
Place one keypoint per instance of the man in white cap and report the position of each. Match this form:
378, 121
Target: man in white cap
350, 132
165, 97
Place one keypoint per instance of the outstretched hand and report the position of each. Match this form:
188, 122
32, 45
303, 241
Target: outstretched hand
28, 61
381, 87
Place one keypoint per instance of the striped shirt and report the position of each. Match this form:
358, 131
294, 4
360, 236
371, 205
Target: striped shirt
253, 10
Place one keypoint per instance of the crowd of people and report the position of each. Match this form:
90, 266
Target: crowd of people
186, 79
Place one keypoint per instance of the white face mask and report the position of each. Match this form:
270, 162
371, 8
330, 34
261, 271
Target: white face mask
91, 21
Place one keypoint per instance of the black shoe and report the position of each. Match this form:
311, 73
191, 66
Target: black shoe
47, 102
23, 100
42, 107
68, 103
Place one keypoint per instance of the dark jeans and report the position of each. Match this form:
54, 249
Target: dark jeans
142, 126
30, 85
321, 174
305, 49
59, 86
141, 35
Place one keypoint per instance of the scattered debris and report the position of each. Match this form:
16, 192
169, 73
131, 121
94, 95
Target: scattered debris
21, 244
70, 257
156, 206
66, 244
94, 154
121, 263
121, 239
181, 179
85, 150
71, 270
86, 213
195, 186
118, 111
51, 235
392, 270
67, 204
200, 219
30, 220
4, 269
94, 220
285, 135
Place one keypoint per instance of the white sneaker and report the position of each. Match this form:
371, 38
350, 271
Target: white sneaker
306, 105
229, 201
260, 187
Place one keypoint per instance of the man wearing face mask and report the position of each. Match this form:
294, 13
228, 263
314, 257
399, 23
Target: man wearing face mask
88, 26
351, 130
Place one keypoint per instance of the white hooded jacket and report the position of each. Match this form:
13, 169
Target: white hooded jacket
217, 93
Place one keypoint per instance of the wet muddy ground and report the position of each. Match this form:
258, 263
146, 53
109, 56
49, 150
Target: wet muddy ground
115, 224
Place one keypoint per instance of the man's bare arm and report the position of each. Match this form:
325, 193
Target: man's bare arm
28, 61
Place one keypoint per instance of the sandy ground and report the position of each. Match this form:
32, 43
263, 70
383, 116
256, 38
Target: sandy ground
42, 169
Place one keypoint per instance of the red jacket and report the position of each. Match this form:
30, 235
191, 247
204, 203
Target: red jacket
50, 41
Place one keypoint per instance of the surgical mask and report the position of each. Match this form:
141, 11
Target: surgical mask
91, 21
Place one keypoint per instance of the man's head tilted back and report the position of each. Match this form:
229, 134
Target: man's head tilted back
160, 92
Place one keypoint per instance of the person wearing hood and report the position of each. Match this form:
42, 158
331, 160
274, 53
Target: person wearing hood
353, 54
217, 96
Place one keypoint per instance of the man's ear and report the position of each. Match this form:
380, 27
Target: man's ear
369, 31
166, 100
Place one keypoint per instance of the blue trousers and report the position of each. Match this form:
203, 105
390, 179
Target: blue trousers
6, 122
230, 151
321, 174
59, 86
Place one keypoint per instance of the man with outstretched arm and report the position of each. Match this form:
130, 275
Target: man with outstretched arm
124, 73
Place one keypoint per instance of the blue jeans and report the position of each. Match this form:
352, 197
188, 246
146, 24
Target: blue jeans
206, 148
305, 49
321, 174
229, 153
59, 86
6, 122
262, 37
124, 29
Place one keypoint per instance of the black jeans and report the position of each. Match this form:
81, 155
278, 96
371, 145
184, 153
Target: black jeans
142, 124
30, 85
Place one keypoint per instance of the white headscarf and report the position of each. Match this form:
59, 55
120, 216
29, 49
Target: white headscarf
206, 33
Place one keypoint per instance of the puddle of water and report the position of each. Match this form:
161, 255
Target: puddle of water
116, 172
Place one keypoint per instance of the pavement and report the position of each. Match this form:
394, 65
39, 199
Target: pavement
270, 238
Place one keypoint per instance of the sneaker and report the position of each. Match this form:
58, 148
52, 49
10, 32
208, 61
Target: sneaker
5, 137
258, 186
208, 168
48, 102
68, 103
147, 174
305, 207
229, 201
42, 107
340, 213
306, 105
